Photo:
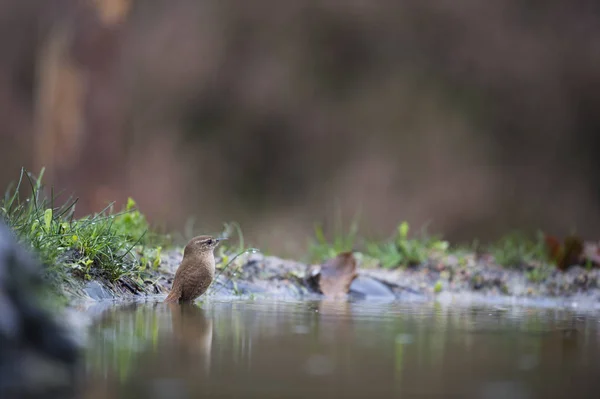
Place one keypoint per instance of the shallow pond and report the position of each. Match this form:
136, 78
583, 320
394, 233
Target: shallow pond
324, 349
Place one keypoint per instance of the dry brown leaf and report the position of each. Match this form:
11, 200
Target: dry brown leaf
554, 249
573, 252
567, 254
337, 274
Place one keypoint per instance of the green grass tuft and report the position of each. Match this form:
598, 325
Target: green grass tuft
321, 249
402, 250
107, 244
519, 249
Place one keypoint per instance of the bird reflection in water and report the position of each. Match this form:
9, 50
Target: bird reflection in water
192, 332
173, 356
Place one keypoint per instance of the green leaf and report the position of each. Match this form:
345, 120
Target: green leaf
48, 218
403, 230
157, 259
34, 225
38, 182
130, 204
87, 261
319, 234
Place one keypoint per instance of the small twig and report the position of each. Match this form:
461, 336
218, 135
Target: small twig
132, 246
251, 250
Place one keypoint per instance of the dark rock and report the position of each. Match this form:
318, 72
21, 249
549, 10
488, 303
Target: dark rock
37, 356
364, 286
477, 282
581, 280
313, 275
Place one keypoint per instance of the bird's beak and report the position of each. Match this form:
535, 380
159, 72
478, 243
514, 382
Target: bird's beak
219, 239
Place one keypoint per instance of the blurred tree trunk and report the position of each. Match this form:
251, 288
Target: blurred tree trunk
79, 104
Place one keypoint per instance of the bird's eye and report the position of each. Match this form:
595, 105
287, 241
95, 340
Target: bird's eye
209, 241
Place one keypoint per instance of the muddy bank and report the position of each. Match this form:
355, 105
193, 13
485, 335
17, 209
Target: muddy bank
451, 277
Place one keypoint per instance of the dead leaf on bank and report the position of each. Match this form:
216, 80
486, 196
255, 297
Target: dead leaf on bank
554, 248
571, 252
337, 274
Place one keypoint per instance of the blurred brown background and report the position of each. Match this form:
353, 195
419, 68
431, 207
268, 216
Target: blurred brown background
478, 117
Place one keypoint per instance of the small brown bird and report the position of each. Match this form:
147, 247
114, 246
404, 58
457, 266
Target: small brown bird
196, 271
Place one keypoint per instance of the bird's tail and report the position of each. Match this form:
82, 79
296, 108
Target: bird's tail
173, 296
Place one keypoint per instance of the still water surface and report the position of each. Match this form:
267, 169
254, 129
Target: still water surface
326, 349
